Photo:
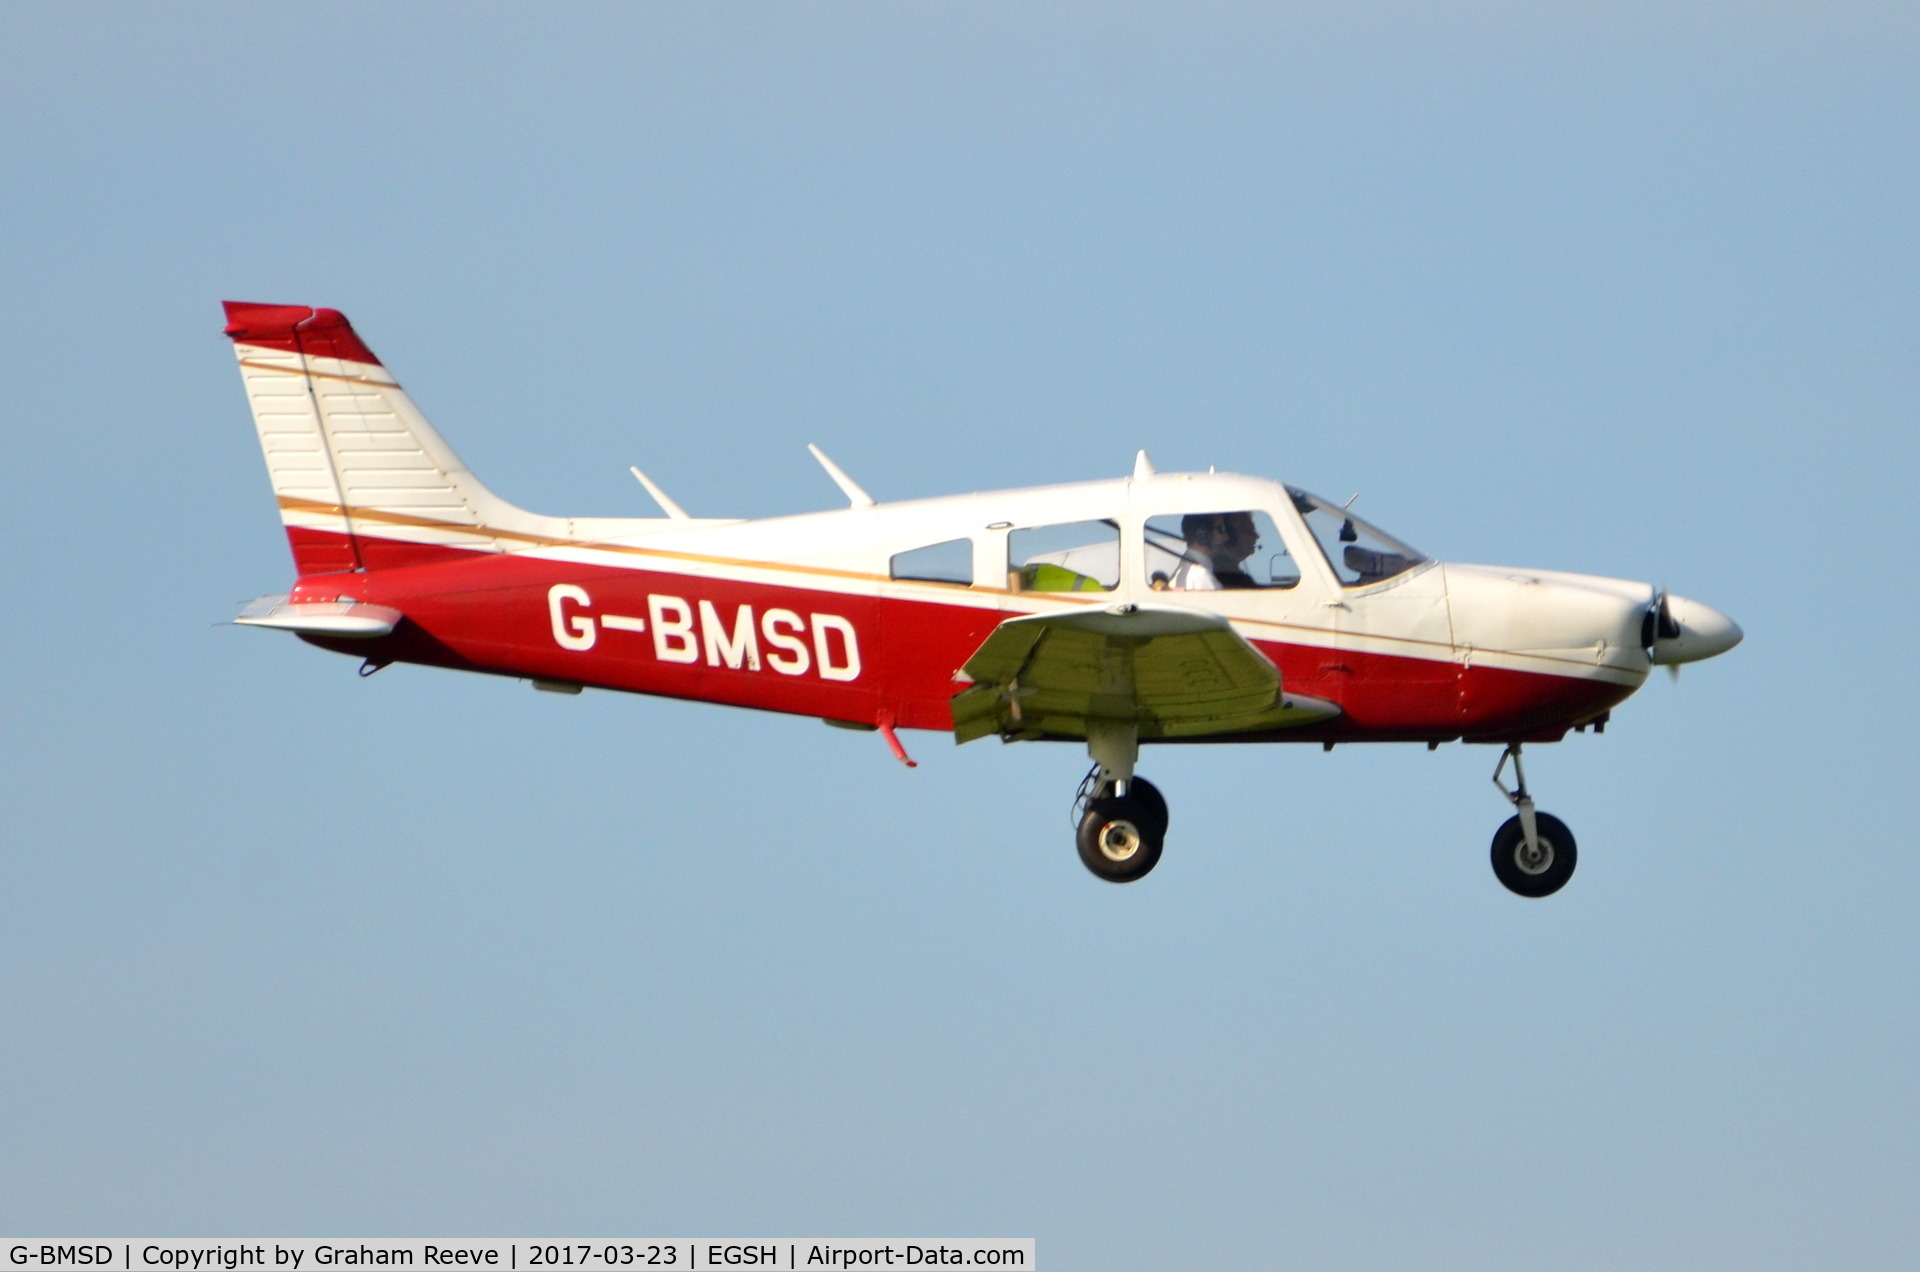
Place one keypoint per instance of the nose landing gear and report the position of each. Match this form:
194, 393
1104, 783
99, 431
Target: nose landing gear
1533, 852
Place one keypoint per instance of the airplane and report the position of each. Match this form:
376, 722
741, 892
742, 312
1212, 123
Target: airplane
1175, 607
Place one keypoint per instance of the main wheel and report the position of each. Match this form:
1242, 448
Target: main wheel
1120, 838
1153, 804
1539, 874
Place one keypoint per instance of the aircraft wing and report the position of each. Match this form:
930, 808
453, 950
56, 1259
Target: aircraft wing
1176, 672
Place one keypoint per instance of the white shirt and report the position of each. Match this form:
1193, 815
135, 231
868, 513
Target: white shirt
1193, 575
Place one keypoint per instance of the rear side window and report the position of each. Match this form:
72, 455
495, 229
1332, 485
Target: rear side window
1073, 556
950, 561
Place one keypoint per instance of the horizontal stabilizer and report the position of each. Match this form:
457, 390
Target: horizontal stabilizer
352, 620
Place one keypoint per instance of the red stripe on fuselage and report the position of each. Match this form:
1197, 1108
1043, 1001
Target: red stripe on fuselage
496, 613
321, 551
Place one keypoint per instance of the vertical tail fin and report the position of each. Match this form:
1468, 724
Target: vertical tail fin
364, 482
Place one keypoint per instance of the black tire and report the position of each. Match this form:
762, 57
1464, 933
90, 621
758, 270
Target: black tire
1540, 878
1120, 838
1152, 803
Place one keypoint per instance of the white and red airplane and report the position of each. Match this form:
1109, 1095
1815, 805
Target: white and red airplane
1159, 607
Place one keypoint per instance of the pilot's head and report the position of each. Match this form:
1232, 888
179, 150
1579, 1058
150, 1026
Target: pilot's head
1225, 538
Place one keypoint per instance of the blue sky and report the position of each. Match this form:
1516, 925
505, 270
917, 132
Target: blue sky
1630, 290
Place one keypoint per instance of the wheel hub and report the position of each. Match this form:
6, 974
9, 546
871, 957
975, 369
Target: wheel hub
1119, 840
1536, 860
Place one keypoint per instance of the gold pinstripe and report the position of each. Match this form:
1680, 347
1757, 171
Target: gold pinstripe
320, 375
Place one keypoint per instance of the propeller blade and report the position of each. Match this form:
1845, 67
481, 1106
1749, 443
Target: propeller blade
1668, 628
1658, 624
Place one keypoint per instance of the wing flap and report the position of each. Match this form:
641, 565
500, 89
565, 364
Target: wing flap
1175, 672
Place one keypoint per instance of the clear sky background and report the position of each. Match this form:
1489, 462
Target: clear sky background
1625, 289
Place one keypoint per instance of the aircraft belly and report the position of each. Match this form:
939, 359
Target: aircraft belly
1501, 703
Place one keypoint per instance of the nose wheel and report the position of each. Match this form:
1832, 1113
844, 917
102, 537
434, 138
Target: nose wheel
1533, 852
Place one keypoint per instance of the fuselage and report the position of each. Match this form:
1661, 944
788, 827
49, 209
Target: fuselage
810, 615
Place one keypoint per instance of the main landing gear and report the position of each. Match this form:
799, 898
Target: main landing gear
1533, 852
1122, 818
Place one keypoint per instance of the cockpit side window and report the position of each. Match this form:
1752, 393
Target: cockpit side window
1360, 554
1217, 551
950, 561
1073, 556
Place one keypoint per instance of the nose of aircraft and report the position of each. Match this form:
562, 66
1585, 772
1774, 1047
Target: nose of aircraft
1703, 632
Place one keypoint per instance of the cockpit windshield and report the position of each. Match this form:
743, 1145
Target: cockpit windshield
1360, 554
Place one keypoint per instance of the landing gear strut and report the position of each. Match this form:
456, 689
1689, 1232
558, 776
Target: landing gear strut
1122, 818
1533, 852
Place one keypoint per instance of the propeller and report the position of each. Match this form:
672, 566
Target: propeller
1658, 624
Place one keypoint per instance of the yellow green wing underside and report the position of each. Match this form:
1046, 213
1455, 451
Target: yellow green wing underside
1174, 672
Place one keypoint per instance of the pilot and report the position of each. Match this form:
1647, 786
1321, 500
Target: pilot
1218, 544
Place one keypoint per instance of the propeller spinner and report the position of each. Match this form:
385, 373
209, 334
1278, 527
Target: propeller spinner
1677, 630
